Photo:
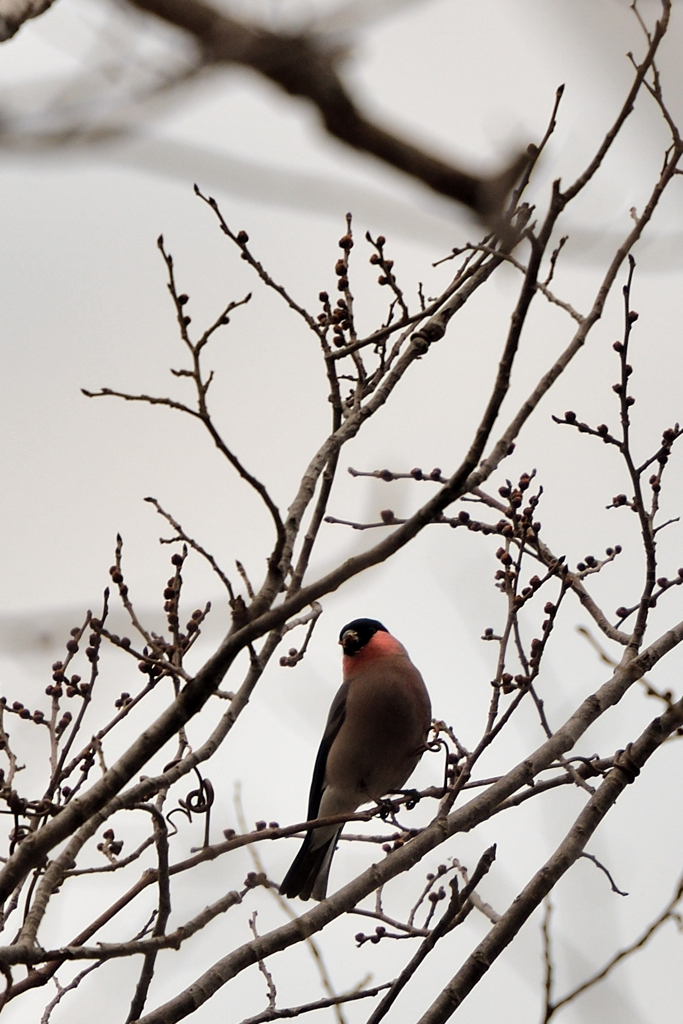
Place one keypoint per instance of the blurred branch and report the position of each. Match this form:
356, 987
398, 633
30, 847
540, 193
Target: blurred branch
13, 14
302, 67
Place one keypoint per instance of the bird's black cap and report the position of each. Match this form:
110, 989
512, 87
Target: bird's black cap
355, 635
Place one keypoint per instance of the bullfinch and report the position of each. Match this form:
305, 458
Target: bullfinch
376, 733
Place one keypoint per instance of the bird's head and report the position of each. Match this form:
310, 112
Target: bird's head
355, 635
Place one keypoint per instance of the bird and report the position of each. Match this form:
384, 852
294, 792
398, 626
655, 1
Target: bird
376, 733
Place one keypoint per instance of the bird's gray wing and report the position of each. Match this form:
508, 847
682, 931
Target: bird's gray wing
334, 724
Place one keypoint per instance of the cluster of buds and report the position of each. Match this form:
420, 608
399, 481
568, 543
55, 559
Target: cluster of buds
152, 666
94, 641
418, 474
242, 238
117, 578
338, 318
591, 564
63, 723
110, 846
72, 685
256, 878
17, 708
602, 430
523, 523
379, 933
508, 573
291, 658
181, 641
182, 301
87, 762
664, 583
172, 592
378, 259
341, 267
397, 841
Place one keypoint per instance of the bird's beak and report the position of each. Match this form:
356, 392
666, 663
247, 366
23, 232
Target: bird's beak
349, 635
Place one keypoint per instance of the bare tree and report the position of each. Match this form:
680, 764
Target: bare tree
97, 768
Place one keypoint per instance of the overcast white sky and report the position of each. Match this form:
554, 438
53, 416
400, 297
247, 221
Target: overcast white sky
84, 304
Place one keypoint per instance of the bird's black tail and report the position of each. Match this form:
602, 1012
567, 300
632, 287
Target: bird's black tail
309, 871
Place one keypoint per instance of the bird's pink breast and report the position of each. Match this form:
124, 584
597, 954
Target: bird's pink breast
379, 646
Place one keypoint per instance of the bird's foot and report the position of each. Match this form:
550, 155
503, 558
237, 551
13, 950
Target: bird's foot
387, 808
